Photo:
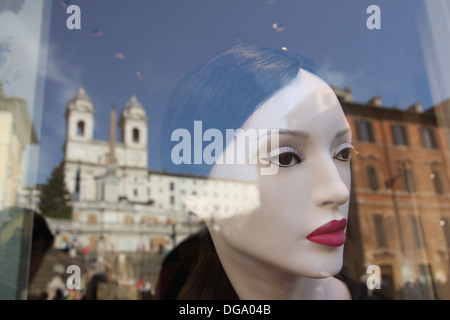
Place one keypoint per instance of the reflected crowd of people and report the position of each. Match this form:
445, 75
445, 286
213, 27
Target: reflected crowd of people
101, 277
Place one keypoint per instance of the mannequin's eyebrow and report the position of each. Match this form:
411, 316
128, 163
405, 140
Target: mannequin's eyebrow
296, 133
305, 135
342, 133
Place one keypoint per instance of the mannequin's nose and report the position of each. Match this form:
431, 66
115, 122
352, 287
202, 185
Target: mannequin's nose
329, 187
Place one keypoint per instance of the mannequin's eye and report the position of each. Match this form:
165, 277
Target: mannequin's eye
344, 152
284, 157
287, 159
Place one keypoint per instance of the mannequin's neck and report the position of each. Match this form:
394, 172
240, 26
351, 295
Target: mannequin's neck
253, 279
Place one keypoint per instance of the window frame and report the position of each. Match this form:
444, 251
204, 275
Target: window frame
372, 178
429, 140
380, 232
400, 135
364, 131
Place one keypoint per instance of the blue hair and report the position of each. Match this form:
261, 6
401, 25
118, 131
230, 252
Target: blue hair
225, 91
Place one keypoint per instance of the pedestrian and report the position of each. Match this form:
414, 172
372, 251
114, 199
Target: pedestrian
64, 250
85, 252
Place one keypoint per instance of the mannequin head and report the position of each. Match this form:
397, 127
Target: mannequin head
310, 188
302, 133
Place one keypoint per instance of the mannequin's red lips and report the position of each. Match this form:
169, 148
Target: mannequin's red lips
331, 234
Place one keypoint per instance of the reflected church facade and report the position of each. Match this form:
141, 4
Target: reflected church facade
119, 204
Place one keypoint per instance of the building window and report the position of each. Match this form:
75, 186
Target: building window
373, 178
400, 135
80, 128
429, 290
128, 219
445, 223
436, 178
135, 192
135, 135
172, 186
379, 231
419, 238
428, 138
408, 179
172, 200
102, 191
388, 283
364, 130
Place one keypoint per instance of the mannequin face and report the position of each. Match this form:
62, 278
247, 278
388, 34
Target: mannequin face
310, 189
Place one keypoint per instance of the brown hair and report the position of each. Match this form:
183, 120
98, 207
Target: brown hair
193, 271
207, 280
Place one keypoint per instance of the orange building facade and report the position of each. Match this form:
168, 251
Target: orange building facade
400, 205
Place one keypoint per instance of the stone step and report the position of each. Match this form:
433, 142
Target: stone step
138, 265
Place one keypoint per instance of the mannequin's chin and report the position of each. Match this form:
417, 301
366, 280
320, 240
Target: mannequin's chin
315, 270
323, 267
329, 272
326, 264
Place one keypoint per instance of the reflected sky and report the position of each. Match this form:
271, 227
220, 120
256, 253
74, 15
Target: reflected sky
145, 47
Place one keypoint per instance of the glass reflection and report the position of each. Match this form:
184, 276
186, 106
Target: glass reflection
125, 211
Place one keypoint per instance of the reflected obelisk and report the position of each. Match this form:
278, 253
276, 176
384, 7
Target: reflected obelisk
112, 139
108, 184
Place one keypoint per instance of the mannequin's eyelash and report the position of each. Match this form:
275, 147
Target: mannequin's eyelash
300, 153
297, 150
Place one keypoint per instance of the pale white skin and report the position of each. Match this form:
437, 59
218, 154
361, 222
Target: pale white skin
265, 253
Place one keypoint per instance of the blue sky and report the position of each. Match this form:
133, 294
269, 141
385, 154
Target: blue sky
146, 46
